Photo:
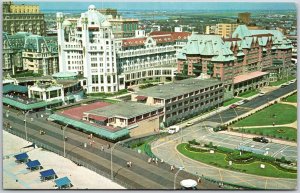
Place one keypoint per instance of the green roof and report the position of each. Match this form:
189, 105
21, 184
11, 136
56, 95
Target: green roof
125, 109
14, 88
90, 128
177, 88
26, 107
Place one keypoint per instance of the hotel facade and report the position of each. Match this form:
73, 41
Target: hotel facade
111, 64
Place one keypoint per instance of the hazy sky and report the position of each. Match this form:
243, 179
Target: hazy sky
205, 6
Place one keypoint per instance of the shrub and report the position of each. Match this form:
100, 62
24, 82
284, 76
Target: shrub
194, 142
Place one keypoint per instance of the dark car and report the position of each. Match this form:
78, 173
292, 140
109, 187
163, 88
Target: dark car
260, 139
216, 129
233, 106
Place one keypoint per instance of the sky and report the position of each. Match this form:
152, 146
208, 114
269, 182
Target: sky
163, 6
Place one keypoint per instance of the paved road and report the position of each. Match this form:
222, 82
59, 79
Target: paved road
252, 104
141, 176
165, 148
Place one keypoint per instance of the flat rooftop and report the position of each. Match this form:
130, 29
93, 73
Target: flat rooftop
77, 112
177, 88
249, 76
124, 109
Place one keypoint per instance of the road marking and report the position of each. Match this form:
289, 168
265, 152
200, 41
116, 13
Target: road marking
279, 151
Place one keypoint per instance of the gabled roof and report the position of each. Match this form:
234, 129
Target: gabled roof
208, 45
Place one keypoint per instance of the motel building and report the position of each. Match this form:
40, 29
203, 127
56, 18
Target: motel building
183, 99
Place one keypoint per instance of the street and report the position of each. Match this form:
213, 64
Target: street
150, 176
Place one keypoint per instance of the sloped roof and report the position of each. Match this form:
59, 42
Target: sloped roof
208, 45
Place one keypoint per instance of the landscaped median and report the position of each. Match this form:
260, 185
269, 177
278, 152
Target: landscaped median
247, 162
249, 93
281, 81
231, 101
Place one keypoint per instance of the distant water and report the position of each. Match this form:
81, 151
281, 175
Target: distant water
74, 7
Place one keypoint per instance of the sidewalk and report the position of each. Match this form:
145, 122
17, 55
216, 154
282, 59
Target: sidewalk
252, 135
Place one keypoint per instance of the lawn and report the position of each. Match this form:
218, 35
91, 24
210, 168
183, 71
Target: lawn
292, 98
281, 81
105, 95
249, 93
231, 101
287, 133
218, 159
278, 113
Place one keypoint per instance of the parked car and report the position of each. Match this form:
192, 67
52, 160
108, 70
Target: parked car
284, 85
189, 124
261, 94
240, 102
233, 106
261, 139
246, 100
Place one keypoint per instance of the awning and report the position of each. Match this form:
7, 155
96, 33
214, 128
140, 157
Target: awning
62, 182
21, 156
33, 164
90, 128
141, 98
47, 173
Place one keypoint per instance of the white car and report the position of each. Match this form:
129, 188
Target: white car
239, 102
261, 94
173, 129
189, 124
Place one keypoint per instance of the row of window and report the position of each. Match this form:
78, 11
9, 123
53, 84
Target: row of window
109, 89
196, 106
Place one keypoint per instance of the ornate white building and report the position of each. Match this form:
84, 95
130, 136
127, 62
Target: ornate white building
89, 50
110, 64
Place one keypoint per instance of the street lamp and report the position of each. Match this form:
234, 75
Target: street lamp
63, 130
111, 162
25, 124
180, 168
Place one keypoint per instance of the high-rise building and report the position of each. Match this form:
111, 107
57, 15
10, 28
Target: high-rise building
23, 18
225, 29
121, 27
110, 63
89, 50
244, 18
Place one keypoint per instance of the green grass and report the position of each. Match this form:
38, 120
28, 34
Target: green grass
281, 81
249, 93
105, 95
292, 98
231, 101
109, 101
218, 159
284, 114
287, 133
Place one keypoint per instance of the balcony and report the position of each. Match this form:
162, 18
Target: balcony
147, 51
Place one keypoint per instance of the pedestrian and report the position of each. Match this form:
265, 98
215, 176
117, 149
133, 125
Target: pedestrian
199, 179
273, 123
108, 146
172, 167
153, 159
156, 160
102, 148
162, 161
149, 160
36, 115
130, 164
